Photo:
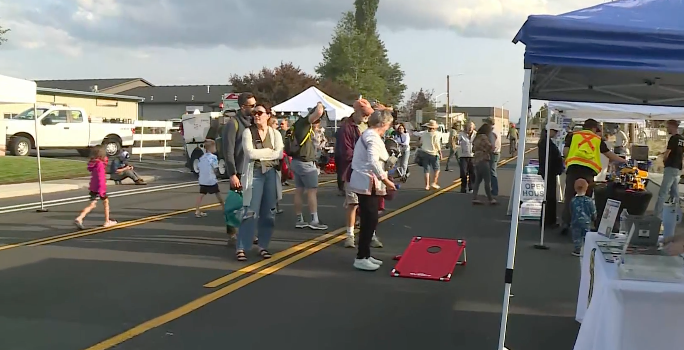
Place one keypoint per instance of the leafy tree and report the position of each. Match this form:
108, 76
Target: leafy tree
357, 58
3, 31
541, 116
277, 85
421, 100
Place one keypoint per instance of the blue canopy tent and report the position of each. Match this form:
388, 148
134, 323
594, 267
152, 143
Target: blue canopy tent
621, 52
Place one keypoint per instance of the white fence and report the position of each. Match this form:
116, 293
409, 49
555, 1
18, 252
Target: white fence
152, 137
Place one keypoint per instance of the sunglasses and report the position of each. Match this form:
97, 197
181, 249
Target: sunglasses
250, 106
259, 113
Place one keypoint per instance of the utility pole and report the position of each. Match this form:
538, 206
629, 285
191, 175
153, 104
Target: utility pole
448, 107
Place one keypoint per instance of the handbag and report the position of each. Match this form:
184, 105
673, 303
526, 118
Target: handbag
419, 159
232, 209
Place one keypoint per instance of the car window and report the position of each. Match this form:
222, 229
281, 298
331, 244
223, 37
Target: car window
57, 117
75, 117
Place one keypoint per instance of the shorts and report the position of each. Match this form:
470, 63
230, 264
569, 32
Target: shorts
209, 189
95, 196
350, 198
430, 162
305, 174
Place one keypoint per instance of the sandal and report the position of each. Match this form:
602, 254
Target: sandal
265, 254
241, 256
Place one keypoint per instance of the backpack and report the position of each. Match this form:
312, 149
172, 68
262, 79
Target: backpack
291, 145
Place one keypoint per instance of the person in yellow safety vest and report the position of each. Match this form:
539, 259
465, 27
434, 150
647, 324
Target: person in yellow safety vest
582, 152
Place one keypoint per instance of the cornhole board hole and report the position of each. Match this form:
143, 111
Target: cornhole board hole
430, 258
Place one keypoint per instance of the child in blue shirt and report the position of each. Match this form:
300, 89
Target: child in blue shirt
208, 183
583, 215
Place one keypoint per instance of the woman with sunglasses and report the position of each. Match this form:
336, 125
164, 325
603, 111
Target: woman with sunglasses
263, 147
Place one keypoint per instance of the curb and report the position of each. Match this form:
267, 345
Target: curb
56, 187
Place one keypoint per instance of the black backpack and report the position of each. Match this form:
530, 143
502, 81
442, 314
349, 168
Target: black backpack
290, 143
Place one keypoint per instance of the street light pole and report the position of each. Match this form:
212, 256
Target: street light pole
448, 106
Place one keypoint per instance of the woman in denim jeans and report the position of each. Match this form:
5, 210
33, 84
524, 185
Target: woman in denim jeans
263, 147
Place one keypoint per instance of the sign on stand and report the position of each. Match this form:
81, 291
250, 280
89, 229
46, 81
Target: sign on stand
531, 197
610, 213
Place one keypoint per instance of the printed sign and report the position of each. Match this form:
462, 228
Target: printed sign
610, 213
531, 197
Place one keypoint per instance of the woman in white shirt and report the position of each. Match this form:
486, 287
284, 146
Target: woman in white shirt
432, 147
263, 147
369, 180
404, 140
465, 161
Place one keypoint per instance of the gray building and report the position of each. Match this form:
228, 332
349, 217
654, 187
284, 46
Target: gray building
170, 102
160, 102
479, 114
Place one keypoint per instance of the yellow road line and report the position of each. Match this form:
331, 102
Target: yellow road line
217, 294
136, 222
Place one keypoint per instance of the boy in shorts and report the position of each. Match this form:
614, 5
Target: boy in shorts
208, 183
583, 214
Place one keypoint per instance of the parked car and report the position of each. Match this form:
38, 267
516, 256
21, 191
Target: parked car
63, 127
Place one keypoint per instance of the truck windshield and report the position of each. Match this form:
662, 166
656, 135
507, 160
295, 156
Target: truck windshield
28, 114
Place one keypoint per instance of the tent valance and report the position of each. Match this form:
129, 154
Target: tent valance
13, 90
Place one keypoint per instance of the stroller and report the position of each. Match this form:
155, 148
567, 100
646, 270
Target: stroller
391, 165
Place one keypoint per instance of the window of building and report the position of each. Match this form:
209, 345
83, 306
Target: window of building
9, 115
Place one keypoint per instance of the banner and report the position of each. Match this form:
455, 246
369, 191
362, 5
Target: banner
610, 213
532, 197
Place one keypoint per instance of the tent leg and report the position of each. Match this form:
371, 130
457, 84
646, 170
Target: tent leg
541, 245
42, 208
517, 181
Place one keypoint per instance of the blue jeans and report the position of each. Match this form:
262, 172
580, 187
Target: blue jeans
668, 189
493, 164
259, 218
403, 162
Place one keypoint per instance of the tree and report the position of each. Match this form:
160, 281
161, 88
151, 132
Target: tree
277, 85
3, 31
357, 58
421, 100
541, 116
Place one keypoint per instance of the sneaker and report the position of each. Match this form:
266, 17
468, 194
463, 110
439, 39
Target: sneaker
110, 223
375, 243
577, 252
349, 242
315, 225
375, 261
79, 224
301, 224
365, 265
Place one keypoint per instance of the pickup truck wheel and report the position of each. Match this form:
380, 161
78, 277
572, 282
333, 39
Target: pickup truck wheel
222, 168
20, 146
111, 147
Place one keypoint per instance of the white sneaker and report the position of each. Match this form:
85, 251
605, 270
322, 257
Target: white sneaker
349, 242
375, 261
365, 265
375, 243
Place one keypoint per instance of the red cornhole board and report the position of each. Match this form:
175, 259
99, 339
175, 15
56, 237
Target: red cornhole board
430, 258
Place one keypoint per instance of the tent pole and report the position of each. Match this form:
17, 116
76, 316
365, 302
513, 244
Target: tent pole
546, 188
517, 180
42, 208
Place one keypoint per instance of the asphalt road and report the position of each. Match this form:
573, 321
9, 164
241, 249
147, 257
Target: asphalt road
142, 285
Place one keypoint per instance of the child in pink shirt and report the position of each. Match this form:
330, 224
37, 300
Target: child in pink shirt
98, 186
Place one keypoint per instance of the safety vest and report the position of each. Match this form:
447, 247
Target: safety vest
585, 150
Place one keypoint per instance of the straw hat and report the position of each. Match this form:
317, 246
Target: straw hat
432, 124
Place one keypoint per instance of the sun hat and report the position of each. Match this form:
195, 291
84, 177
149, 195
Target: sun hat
432, 124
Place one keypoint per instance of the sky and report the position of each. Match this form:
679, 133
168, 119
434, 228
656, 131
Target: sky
179, 42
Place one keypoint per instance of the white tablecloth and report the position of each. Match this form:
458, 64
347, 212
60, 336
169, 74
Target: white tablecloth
626, 315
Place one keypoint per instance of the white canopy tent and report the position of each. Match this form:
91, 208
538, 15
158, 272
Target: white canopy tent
621, 52
309, 98
14, 90
615, 113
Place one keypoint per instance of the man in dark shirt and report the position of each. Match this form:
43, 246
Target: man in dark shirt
305, 170
576, 171
672, 159
231, 136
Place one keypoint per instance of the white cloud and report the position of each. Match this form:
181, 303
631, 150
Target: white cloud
67, 25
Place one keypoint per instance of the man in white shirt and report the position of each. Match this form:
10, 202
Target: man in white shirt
621, 140
495, 139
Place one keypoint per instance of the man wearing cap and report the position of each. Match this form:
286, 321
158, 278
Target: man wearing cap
555, 162
582, 153
348, 135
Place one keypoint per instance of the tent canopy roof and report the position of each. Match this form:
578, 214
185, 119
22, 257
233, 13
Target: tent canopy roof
13, 90
309, 98
616, 113
628, 51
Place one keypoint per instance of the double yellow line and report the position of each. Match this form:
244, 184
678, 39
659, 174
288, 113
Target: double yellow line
290, 256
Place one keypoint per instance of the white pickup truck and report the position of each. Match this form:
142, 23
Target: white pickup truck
61, 127
441, 131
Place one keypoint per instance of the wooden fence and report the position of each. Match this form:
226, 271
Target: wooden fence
152, 137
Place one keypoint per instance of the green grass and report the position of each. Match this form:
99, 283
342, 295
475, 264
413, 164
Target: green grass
25, 169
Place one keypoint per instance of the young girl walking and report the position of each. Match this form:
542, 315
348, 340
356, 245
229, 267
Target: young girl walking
98, 187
